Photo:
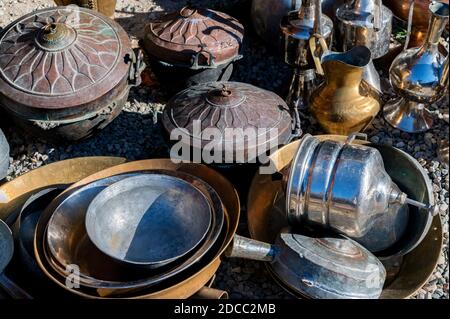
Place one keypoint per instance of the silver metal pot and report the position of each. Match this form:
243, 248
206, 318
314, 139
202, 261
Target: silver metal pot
318, 266
345, 187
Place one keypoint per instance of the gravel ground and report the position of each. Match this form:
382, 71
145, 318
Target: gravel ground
135, 134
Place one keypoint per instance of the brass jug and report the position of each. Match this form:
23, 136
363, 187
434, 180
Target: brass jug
106, 7
345, 103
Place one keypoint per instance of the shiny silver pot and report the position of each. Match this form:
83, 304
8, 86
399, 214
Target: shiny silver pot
345, 187
365, 22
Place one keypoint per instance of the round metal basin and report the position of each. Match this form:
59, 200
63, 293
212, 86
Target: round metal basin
148, 220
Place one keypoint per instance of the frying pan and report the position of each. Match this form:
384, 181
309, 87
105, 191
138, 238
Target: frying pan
325, 266
148, 220
266, 216
6, 254
188, 283
14, 193
25, 226
94, 265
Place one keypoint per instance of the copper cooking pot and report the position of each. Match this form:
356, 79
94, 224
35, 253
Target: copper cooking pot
420, 19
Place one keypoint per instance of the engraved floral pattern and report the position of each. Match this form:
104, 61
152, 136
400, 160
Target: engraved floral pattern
259, 109
84, 62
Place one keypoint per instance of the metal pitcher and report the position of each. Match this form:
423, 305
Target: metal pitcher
420, 76
107, 7
297, 28
365, 22
344, 103
344, 187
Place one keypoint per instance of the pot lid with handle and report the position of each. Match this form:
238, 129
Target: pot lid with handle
241, 120
62, 57
194, 37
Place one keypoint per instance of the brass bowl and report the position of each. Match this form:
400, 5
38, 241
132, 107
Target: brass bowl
266, 217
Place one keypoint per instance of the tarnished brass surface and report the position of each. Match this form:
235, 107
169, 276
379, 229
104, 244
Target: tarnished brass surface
192, 282
107, 7
266, 217
14, 193
345, 103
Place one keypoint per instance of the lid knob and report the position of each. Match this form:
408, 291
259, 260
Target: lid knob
55, 36
225, 97
187, 11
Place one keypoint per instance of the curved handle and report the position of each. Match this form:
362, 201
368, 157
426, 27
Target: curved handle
243, 247
210, 293
410, 21
195, 58
378, 15
357, 135
12, 289
315, 52
137, 66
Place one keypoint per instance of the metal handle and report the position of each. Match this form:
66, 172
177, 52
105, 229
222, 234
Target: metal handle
410, 18
315, 53
247, 248
12, 289
194, 61
210, 293
432, 209
354, 136
137, 66
378, 15
318, 20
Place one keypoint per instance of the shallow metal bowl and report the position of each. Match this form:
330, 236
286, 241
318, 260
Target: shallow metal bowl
148, 220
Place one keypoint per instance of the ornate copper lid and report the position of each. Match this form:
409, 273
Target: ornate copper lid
243, 117
62, 57
194, 37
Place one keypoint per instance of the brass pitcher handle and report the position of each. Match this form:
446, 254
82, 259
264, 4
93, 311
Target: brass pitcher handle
314, 52
410, 21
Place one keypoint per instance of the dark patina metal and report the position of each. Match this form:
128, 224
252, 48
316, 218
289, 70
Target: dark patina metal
193, 46
229, 106
65, 71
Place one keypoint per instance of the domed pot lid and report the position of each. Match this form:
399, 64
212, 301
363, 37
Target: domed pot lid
239, 119
62, 57
195, 38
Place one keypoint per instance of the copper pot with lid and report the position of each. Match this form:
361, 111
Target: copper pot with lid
230, 125
192, 46
65, 72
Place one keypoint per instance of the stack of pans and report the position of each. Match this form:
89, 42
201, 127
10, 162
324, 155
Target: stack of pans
168, 246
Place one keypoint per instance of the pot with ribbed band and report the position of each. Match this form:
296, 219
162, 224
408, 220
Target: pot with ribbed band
65, 72
193, 46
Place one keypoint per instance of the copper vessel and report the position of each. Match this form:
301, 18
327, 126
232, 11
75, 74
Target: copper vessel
345, 103
192, 46
65, 72
107, 7
420, 77
420, 17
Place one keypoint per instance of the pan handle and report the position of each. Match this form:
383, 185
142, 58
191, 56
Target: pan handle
210, 293
12, 289
246, 248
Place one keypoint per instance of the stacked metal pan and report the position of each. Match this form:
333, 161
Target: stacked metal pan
174, 262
